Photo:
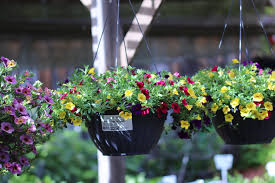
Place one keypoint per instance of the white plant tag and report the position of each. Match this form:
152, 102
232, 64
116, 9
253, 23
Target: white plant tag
116, 123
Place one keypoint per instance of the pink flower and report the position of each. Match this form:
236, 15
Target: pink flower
160, 83
177, 74
261, 71
145, 112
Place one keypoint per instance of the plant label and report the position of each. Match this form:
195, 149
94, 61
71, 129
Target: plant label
116, 123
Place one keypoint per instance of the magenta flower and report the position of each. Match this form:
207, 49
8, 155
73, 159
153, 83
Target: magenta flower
24, 161
5, 60
20, 120
48, 99
22, 109
7, 127
10, 79
160, 83
26, 139
15, 168
26, 91
4, 157
10, 110
48, 128
19, 90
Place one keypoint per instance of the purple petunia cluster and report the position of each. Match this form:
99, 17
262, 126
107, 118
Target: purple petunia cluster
25, 111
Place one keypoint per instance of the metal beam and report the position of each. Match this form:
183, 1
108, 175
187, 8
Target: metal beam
134, 36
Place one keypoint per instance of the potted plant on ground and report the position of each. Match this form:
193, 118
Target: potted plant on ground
242, 102
25, 118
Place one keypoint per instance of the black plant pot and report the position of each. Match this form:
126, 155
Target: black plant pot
245, 132
141, 139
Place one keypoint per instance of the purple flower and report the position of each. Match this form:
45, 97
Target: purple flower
183, 135
7, 127
15, 168
20, 120
26, 91
197, 124
48, 128
32, 128
26, 139
30, 86
244, 63
24, 161
34, 149
0, 166
10, 79
258, 65
48, 99
4, 148
10, 110
5, 60
137, 109
4, 157
270, 72
21, 109
48, 91
19, 90
207, 120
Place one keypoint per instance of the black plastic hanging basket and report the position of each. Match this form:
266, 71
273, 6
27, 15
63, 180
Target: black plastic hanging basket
245, 132
140, 139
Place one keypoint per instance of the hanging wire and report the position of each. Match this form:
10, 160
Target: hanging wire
125, 49
117, 32
240, 40
262, 26
226, 23
144, 37
245, 42
101, 36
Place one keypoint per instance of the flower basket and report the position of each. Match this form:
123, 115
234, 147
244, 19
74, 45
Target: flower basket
244, 132
144, 135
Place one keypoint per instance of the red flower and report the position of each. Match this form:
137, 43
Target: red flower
269, 115
98, 90
181, 88
140, 85
259, 103
145, 112
163, 107
146, 93
160, 83
74, 109
81, 82
63, 96
185, 90
184, 102
171, 82
159, 113
190, 81
215, 69
175, 107
148, 75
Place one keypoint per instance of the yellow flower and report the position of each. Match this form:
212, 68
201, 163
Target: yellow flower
192, 93
258, 97
226, 109
235, 61
170, 77
125, 115
175, 92
118, 108
98, 101
77, 121
141, 97
108, 97
214, 108
70, 106
240, 107
92, 71
253, 80
11, 63
251, 106
262, 115
128, 93
228, 83
224, 89
245, 112
198, 117
234, 103
153, 76
62, 115
210, 74
220, 73
270, 86
184, 124
63, 101
182, 82
268, 106
189, 107
228, 118
231, 74
203, 100
272, 77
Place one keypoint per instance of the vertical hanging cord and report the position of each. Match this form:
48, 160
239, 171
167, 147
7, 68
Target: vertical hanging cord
101, 36
144, 37
245, 43
125, 49
240, 41
117, 32
262, 26
226, 24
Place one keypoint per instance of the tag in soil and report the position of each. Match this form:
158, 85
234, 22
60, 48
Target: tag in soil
116, 123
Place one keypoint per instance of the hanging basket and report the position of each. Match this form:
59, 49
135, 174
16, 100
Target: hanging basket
131, 137
244, 132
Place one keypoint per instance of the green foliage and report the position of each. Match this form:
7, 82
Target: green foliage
237, 178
